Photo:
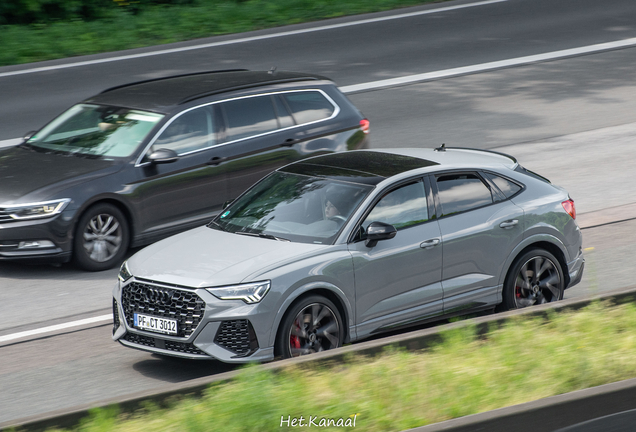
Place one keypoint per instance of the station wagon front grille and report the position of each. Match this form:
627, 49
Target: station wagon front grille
4, 216
237, 336
184, 306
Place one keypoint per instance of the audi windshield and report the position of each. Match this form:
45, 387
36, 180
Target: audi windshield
293, 207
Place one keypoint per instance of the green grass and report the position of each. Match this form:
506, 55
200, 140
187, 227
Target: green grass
162, 24
524, 360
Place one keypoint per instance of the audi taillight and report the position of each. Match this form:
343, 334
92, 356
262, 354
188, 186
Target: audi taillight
568, 206
364, 126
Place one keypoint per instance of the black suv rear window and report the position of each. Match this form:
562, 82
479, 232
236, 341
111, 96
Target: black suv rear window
308, 106
250, 116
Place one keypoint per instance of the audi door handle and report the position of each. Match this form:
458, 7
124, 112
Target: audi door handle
430, 243
509, 224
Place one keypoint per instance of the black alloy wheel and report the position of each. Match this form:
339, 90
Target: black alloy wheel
534, 278
101, 238
311, 325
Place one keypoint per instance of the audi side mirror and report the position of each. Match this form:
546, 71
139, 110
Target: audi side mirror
379, 231
163, 156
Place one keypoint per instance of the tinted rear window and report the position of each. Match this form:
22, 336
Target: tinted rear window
249, 117
507, 187
309, 106
462, 192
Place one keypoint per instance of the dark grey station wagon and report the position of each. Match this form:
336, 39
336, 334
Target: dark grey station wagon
142, 161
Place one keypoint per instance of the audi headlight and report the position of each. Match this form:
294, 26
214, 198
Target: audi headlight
250, 293
124, 273
37, 210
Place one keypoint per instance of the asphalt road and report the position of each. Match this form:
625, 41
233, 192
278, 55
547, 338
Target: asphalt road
443, 38
570, 119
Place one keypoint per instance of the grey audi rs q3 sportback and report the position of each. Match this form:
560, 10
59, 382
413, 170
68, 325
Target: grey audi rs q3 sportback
335, 248
142, 161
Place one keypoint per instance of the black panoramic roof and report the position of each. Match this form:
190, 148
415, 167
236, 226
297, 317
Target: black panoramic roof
162, 94
361, 166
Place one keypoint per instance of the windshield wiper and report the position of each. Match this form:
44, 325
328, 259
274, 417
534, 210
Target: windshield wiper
217, 224
261, 235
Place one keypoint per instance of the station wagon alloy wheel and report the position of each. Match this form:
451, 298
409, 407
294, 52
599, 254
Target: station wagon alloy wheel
102, 237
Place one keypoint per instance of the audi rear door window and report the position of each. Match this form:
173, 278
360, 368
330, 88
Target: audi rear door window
462, 192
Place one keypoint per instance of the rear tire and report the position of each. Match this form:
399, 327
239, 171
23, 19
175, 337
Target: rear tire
101, 238
534, 278
311, 325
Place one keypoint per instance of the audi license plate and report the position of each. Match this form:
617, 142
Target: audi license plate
156, 324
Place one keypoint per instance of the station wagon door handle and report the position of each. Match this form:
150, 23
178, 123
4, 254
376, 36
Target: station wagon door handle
290, 142
430, 243
216, 160
509, 224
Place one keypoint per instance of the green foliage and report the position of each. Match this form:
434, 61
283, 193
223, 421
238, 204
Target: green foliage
43, 11
37, 30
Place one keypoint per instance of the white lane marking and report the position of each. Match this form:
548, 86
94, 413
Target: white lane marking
391, 82
248, 39
57, 327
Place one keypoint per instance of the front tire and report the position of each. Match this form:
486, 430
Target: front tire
534, 278
101, 238
311, 325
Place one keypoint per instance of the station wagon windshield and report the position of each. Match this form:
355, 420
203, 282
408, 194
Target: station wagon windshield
293, 207
94, 130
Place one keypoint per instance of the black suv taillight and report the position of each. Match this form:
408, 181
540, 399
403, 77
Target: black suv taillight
364, 126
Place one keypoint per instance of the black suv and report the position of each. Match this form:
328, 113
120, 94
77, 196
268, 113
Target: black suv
142, 161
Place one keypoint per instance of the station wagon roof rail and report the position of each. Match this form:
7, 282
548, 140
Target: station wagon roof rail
170, 77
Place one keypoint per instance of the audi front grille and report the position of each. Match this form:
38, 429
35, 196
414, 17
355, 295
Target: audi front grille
184, 306
180, 347
115, 316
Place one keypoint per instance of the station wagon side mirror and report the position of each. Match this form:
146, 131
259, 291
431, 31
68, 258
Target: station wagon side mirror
227, 203
379, 231
163, 156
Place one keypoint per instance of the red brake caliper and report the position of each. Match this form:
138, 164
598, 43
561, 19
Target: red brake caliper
294, 342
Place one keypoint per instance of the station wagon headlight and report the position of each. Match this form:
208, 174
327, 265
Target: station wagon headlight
36, 210
250, 293
124, 273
